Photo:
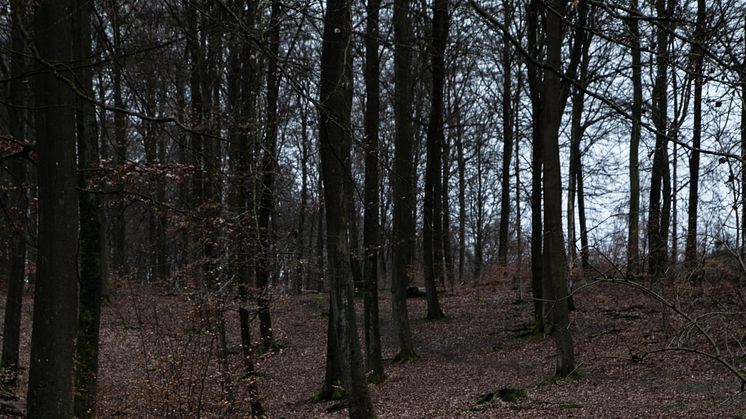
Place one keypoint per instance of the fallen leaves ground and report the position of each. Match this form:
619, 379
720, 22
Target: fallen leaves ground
158, 360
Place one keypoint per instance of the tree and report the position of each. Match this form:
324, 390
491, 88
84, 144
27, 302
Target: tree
119, 224
553, 236
535, 76
17, 199
742, 77
401, 180
335, 103
507, 120
577, 130
90, 271
50, 391
633, 232
268, 169
372, 199
660, 187
432, 229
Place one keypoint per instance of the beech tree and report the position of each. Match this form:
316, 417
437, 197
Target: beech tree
659, 212
554, 247
17, 246
372, 193
633, 230
401, 181
335, 102
90, 270
50, 389
432, 229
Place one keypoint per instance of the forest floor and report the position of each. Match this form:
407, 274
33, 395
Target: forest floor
159, 357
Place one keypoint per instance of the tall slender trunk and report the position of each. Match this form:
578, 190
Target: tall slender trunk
461, 163
553, 237
507, 119
335, 106
479, 216
269, 168
371, 209
90, 271
659, 185
432, 205
320, 266
583, 221
18, 218
743, 149
535, 75
518, 225
119, 224
633, 233
690, 251
50, 388
402, 176
447, 245
576, 135
301, 277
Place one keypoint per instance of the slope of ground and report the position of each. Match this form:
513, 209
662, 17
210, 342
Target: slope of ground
160, 357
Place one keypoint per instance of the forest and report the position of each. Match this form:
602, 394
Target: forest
403, 208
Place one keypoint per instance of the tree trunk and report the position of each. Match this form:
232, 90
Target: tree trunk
743, 151
633, 234
461, 163
518, 226
535, 75
269, 168
320, 266
657, 228
301, 277
372, 204
401, 181
553, 237
242, 80
582, 220
432, 206
576, 135
50, 390
690, 251
17, 200
447, 246
90, 269
335, 97
507, 119
119, 223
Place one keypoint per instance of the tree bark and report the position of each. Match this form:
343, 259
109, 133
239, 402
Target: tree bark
335, 136
657, 217
401, 181
50, 390
461, 165
633, 233
269, 167
507, 120
553, 237
447, 244
743, 151
372, 204
535, 75
119, 224
432, 234
18, 218
690, 250
90, 268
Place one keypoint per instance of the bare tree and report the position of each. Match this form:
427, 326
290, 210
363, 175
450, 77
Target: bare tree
401, 180
50, 390
335, 102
